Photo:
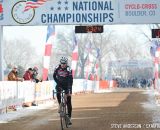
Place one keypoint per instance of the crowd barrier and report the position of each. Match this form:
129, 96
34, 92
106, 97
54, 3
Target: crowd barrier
156, 87
19, 93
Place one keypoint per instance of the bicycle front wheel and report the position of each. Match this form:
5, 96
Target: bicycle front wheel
62, 116
66, 116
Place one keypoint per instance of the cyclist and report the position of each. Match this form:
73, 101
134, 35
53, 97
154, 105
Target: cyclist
64, 79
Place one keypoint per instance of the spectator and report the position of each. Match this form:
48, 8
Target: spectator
28, 74
35, 79
35, 74
13, 75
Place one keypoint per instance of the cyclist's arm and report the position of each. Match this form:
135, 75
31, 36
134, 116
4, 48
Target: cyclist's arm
70, 81
55, 76
70, 76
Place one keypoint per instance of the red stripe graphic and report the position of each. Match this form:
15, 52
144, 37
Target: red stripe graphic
73, 73
48, 50
75, 56
1, 8
45, 73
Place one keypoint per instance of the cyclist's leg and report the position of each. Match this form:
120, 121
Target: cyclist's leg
58, 89
69, 103
69, 106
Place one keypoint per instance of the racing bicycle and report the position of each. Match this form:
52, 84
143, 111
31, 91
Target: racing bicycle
64, 119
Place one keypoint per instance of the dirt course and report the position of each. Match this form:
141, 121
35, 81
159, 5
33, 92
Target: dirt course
118, 110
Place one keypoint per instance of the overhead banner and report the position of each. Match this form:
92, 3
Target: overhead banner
86, 12
44, 12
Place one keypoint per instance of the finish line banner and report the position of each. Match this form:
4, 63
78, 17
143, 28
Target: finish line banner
86, 12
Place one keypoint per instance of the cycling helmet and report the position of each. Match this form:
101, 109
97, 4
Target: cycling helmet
63, 60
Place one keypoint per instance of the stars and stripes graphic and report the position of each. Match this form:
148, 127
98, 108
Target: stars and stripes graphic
97, 65
1, 8
98, 53
48, 50
32, 4
157, 68
96, 71
1, 11
89, 49
74, 55
154, 45
88, 66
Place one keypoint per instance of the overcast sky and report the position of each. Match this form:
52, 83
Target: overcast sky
35, 34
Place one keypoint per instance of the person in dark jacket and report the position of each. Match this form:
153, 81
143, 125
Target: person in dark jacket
64, 79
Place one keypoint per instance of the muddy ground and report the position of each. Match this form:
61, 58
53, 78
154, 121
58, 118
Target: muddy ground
127, 109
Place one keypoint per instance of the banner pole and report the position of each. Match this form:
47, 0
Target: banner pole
1, 54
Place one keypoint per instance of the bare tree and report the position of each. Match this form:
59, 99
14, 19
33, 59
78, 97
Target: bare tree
65, 45
110, 46
102, 46
128, 48
19, 52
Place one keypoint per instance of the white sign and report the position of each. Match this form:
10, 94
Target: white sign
81, 12
132, 63
43, 12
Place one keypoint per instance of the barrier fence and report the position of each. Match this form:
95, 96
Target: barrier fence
18, 93
156, 87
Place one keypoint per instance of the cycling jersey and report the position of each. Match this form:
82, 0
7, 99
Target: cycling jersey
63, 76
